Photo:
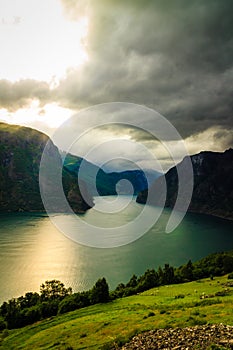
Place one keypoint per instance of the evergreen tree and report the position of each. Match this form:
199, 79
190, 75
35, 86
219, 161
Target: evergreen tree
187, 271
168, 274
100, 292
132, 282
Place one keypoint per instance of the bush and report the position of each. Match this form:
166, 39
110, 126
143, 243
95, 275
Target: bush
129, 291
151, 313
67, 304
2, 325
5, 333
162, 312
49, 308
179, 296
83, 335
31, 315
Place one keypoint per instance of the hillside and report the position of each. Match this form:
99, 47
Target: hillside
100, 319
213, 185
100, 326
21, 149
107, 182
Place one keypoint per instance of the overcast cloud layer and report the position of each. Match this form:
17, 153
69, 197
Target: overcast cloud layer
175, 56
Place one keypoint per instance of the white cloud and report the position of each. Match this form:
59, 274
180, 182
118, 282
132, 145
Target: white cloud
37, 42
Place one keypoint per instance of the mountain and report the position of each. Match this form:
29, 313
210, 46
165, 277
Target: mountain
21, 149
213, 185
109, 183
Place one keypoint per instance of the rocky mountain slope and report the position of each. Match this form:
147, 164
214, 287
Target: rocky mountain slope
109, 183
21, 149
213, 185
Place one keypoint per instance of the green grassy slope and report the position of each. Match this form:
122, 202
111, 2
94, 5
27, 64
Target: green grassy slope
98, 326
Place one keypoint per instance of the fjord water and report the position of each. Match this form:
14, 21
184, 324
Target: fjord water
33, 250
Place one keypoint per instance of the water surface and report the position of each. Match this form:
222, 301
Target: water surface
33, 250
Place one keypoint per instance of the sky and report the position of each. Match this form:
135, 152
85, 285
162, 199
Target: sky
173, 56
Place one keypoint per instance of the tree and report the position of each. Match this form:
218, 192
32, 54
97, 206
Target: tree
150, 279
168, 274
187, 271
30, 299
132, 282
118, 292
74, 301
49, 308
54, 290
31, 315
100, 292
11, 313
160, 275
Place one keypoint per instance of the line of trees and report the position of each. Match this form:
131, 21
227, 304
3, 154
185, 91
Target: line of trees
54, 298
217, 264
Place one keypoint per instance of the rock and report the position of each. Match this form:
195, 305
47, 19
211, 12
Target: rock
213, 185
183, 338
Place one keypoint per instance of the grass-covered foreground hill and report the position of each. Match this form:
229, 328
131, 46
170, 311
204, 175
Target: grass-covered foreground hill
100, 326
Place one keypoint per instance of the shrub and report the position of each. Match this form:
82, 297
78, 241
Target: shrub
49, 308
67, 304
151, 313
31, 315
129, 291
179, 296
5, 333
162, 312
2, 325
83, 335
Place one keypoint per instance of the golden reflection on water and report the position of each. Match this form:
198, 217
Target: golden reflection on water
38, 252
32, 250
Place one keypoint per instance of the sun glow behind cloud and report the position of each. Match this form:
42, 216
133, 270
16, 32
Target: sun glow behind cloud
60, 56
38, 42
45, 119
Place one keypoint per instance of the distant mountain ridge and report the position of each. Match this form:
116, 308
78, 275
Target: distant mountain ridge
213, 185
109, 183
21, 149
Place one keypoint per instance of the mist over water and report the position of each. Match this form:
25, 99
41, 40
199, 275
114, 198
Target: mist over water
32, 249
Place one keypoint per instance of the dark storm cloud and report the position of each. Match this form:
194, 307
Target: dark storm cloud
174, 56
19, 94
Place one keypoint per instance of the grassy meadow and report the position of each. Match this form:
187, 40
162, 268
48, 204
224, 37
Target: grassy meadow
99, 326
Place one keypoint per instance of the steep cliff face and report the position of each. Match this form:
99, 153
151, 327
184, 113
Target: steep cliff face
21, 149
109, 183
213, 185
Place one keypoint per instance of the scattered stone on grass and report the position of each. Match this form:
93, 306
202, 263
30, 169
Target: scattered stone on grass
188, 338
